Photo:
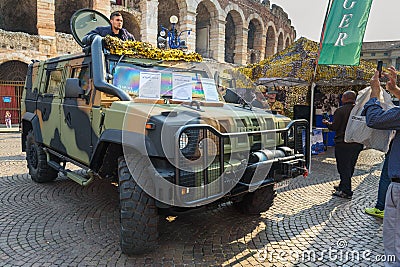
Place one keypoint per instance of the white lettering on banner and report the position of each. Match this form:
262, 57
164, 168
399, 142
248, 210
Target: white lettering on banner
345, 21
342, 36
351, 6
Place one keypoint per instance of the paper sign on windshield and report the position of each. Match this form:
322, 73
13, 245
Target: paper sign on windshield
182, 86
210, 90
150, 85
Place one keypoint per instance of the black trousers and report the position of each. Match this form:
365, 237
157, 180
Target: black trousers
346, 155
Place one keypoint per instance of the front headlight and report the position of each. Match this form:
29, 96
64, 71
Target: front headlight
183, 141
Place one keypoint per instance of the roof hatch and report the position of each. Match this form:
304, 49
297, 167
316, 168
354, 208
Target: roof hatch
85, 20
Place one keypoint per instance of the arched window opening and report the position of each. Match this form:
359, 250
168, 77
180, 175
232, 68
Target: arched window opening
251, 35
280, 42
230, 39
203, 28
270, 44
131, 24
19, 16
13, 70
64, 11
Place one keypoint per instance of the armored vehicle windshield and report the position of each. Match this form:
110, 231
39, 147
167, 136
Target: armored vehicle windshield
180, 81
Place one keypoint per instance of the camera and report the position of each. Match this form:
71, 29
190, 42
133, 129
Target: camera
379, 67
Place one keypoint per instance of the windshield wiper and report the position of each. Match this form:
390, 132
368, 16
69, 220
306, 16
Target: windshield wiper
116, 64
244, 104
142, 64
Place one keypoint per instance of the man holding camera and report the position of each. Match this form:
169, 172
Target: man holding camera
378, 118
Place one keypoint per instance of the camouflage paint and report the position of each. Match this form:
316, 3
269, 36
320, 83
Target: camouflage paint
73, 126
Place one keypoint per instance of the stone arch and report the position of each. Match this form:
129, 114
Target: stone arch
19, 16
167, 8
234, 34
133, 9
20, 57
13, 70
193, 4
256, 17
131, 24
64, 11
280, 42
234, 7
270, 41
207, 29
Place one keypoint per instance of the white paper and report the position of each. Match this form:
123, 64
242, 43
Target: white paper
150, 85
182, 86
210, 90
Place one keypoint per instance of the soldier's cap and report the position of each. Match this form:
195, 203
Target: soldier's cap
271, 90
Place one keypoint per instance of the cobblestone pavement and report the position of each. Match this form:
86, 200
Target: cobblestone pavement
63, 224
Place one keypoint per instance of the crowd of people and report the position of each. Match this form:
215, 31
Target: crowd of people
346, 154
326, 103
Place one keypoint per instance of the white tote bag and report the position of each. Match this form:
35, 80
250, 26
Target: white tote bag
357, 129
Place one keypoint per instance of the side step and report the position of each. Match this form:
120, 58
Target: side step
72, 175
80, 179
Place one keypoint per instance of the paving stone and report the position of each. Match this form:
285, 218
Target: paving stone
63, 224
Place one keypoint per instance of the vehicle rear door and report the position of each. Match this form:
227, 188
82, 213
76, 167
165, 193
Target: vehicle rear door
48, 106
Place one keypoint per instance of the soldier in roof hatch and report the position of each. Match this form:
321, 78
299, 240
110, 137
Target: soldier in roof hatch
115, 30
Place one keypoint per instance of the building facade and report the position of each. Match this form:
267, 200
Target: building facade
239, 31
387, 51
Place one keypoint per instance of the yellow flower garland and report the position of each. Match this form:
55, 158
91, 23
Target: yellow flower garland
145, 50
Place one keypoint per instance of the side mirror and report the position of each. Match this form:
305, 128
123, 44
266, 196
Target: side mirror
232, 97
73, 88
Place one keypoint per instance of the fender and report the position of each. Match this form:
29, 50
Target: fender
30, 122
137, 141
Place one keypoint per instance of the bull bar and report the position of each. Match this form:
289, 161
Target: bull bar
204, 159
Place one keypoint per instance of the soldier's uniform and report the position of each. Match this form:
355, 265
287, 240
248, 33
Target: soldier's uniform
277, 106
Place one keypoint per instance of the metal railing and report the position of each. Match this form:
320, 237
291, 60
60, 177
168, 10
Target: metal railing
201, 153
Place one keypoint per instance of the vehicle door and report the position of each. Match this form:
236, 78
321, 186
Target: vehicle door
76, 116
48, 106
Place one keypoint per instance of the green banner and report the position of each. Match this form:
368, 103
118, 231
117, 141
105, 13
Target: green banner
344, 32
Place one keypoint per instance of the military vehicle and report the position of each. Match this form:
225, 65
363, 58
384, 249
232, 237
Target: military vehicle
158, 129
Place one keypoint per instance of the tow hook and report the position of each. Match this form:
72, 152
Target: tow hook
305, 173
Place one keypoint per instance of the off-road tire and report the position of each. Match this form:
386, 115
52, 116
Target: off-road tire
139, 215
258, 201
36, 157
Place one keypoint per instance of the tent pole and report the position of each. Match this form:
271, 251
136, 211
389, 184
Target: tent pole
311, 121
313, 84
